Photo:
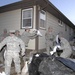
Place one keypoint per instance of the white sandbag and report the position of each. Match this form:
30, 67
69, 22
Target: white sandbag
25, 69
54, 49
2, 73
39, 33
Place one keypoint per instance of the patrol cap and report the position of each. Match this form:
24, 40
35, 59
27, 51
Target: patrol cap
12, 31
17, 31
5, 30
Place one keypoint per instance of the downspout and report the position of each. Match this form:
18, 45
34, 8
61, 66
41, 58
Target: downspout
36, 24
36, 17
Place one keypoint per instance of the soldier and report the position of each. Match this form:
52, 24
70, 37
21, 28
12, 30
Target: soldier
2, 36
26, 36
12, 52
65, 46
49, 40
67, 51
17, 33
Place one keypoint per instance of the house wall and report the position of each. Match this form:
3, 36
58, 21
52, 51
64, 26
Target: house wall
53, 22
12, 21
42, 44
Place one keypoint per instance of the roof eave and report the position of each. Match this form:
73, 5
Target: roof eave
44, 4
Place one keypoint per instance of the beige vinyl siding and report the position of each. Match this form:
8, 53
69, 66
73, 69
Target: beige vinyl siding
53, 22
12, 21
42, 40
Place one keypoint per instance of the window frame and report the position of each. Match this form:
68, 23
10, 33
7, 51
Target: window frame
22, 26
42, 19
65, 27
60, 23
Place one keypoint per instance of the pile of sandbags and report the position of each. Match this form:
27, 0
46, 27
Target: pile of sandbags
2, 73
54, 67
43, 64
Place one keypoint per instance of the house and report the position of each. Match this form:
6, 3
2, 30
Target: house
35, 14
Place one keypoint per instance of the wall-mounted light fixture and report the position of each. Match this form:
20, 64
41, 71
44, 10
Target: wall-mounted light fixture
60, 23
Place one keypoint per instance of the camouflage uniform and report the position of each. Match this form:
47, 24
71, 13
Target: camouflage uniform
17, 33
2, 36
67, 51
49, 41
12, 52
26, 36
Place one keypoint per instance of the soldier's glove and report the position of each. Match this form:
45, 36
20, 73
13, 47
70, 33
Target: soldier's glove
39, 33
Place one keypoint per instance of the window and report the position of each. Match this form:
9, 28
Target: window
42, 19
27, 18
69, 30
60, 23
65, 27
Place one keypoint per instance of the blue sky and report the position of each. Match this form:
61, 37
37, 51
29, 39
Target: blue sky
67, 7
5, 2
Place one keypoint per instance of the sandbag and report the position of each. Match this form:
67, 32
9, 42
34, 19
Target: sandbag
34, 65
68, 63
51, 66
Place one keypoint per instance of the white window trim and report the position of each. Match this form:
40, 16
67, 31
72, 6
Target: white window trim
27, 18
40, 18
60, 23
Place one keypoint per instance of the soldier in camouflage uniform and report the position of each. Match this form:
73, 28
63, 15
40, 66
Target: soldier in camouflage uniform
49, 40
65, 46
67, 50
2, 36
12, 52
17, 33
26, 36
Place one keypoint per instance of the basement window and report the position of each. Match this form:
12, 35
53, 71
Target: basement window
27, 18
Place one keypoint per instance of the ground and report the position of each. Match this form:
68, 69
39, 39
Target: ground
22, 64
12, 68
27, 55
